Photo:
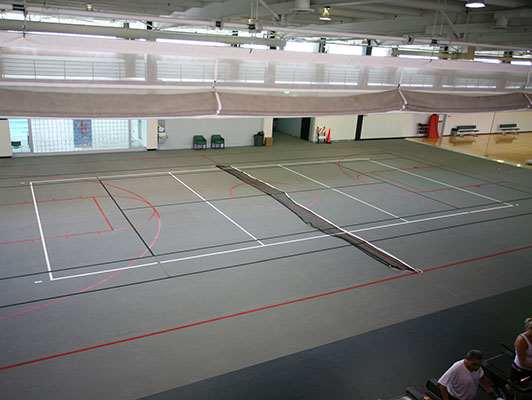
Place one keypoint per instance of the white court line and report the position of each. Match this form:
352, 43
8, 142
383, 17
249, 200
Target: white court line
107, 270
188, 171
303, 163
286, 242
358, 237
210, 169
441, 183
430, 218
162, 173
256, 179
50, 275
213, 206
331, 223
344, 194
262, 244
87, 178
217, 253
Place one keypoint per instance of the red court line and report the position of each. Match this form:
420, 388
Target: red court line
306, 190
105, 216
155, 212
65, 199
48, 201
315, 216
397, 192
209, 321
86, 233
396, 181
169, 157
461, 187
479, 258
211, 160
450, 166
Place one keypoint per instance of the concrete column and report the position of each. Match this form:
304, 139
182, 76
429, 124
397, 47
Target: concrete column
5, 139
267, 127
151, 134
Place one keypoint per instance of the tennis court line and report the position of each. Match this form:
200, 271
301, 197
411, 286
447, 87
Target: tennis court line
107, 270
302, 163
188, 171
254, 310
285, 242
432, 218
216, 208
43, 242
65, 180
216, 253
162, 173
342, 193
364, 241
440, 183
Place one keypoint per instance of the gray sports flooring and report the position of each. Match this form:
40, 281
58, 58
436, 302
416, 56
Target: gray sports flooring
127, 275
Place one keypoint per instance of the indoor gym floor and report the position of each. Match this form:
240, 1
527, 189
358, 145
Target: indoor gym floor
512, 148
126, 275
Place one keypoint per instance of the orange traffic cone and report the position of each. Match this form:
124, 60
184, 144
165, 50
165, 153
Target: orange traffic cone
328, 136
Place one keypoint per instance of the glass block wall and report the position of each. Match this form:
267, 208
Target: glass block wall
19, 132
77, 135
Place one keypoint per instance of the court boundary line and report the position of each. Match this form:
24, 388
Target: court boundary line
441, 183
186, 171
342, 193
254, 310
43, 242
212, 169
341, 231
124, 215
221, 252
216, 208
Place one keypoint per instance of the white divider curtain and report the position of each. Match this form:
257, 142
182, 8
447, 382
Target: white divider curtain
27, 104
283, 106
451, 103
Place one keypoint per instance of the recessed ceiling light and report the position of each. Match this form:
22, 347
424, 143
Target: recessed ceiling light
475, 4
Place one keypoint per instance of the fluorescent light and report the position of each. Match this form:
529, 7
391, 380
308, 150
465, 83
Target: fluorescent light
326, 14
475, 4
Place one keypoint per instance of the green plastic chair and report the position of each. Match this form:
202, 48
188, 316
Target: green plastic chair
217, 142
199, 142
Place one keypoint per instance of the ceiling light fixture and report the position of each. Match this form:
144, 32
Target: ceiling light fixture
89, 7
326, 14
475, 4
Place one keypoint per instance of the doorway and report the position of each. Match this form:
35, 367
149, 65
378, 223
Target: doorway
305, 129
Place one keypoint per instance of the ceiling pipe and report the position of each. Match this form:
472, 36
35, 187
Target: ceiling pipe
129, 33
406, 39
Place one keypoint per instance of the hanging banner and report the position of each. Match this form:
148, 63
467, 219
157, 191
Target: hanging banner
82, 132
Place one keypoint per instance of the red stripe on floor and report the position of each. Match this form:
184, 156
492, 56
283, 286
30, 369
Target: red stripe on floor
257, 310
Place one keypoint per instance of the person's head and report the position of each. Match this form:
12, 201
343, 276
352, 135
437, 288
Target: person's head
473, 360
528, 324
